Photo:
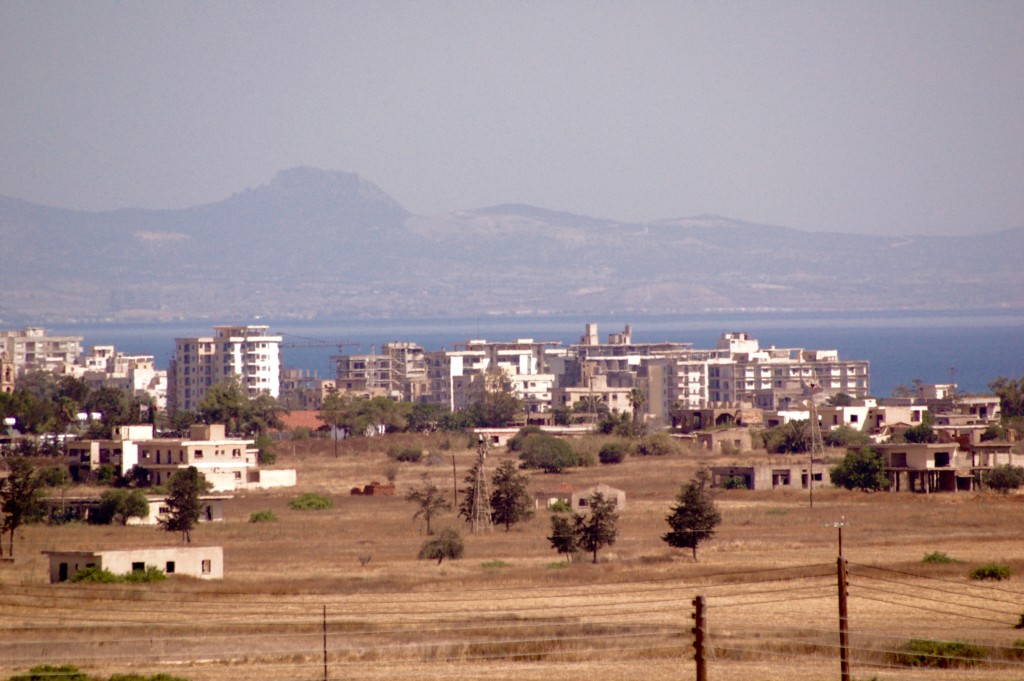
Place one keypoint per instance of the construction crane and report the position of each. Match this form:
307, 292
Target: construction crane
317, 343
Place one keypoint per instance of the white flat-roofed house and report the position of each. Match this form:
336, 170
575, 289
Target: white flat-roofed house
201, 562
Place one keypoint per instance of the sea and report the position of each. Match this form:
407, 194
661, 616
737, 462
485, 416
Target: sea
967, 348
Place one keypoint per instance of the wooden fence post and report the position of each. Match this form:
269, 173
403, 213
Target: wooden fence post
698, 638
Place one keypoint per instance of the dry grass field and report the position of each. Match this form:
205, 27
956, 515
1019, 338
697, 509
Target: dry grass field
347, 580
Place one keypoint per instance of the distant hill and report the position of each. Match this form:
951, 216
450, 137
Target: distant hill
314, 243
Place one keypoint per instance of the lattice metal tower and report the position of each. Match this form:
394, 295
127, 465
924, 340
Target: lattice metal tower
481, 511
817, 443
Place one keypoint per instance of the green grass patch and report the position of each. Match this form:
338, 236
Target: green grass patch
939, 654
494, 564
311, 502
937, 558
559, 565
263, 517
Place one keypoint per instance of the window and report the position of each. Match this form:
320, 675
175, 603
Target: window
207, 567
138, 567
170, 567
198, 454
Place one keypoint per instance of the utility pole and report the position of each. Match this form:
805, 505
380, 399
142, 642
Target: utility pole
325, 642
698, 638
844, 625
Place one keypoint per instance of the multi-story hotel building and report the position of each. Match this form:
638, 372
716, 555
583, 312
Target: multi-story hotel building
32, 350
249, 352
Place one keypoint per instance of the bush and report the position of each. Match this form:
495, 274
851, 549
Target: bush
939, 654
560, 507
301, 433
448, 544
937, 558
150, 574
551, 454
1004, 478
515, 444
992, 571
406, 454
659, 444
613, 452
994, 431
845, 436
263, 517
310, 502
54, 476
735, 482
96, 575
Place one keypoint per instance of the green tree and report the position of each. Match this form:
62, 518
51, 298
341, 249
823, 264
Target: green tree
224, 403
495, 404
694, 517
448, 544
563, 536
547, 452
637, 399
599, 527
1004, 478
790, 438
430, 501
427, 417
260, 414
122, 505
922, 433
1011, 396
183, 503
862, 469
21, 493
379, 414
334, 413
510, 499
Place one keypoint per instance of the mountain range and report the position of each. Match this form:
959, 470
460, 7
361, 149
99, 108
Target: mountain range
331, 245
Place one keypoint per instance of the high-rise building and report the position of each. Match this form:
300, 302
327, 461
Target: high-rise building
32, 350
248, 352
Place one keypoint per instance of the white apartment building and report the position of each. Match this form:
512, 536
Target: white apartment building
137, 374
455, 376
32, 350
249, 352
737, 370
776, 378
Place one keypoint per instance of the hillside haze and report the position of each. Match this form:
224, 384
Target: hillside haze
319, 244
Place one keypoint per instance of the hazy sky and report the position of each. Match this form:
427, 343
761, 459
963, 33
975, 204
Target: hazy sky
882, 117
